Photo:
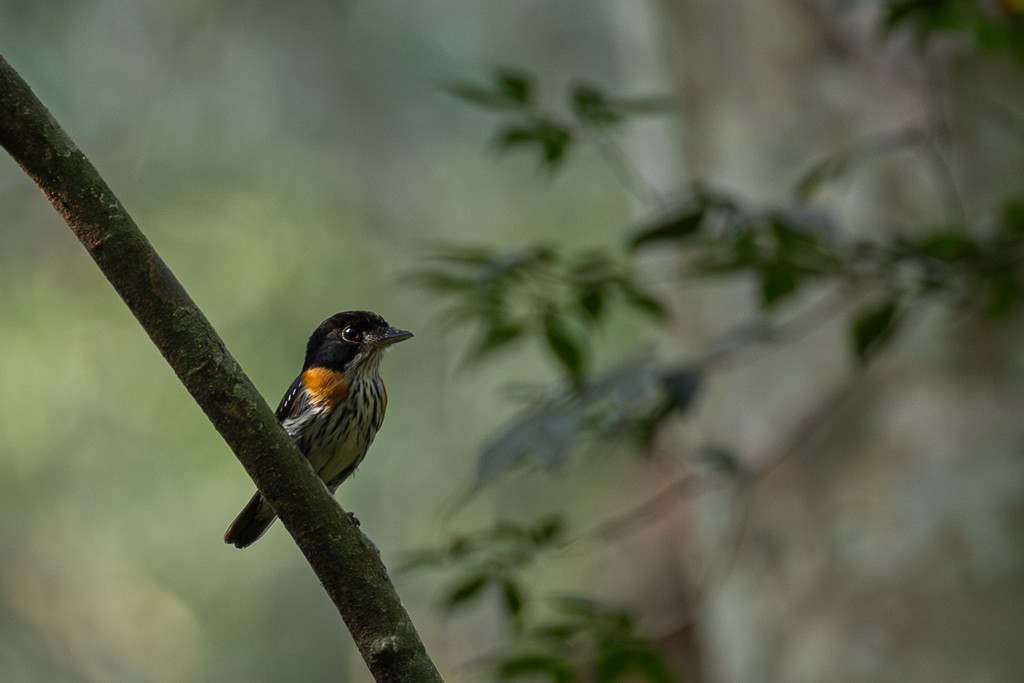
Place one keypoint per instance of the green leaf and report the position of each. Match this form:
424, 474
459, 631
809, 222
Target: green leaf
518, 134
512, 597
466, 590
496, 337
514, 262
615, 662
461, 547
1003, 293
1012, 223
483, 97
592, 107
591, 300
648, 305
568, 350
928, 15
792, 238
745, 247
676, 228
641, 301
547, 531
778, 281
993, 26
948, 246
873, 328
515, 86
556, 143
509, 90
549, 137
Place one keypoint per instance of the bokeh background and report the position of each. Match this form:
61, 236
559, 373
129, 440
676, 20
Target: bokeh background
290, 160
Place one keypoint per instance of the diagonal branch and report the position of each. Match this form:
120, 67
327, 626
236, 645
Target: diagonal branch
344, 560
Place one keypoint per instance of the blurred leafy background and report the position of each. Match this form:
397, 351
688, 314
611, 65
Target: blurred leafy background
715, 376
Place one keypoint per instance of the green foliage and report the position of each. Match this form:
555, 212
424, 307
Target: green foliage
490, 562
782, 248
566, 346
530, 127
551, 139
995, 26
508, 89
675, 228
625, 404
564, 638
563, 302
873, 327
581, 639
513, 295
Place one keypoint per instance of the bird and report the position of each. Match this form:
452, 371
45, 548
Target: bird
333, 409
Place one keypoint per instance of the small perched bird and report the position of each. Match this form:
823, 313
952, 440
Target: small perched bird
333, 409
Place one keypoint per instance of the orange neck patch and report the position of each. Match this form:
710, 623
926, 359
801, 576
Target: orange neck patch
325, 386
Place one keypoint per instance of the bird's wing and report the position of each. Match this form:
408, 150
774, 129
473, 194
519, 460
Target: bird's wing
297, 410
294, 401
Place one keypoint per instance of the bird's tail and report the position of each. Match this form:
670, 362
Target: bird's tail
251, 523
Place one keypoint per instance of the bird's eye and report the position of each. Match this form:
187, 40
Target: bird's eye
352, 334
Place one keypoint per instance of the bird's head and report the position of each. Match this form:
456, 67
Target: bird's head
353, 340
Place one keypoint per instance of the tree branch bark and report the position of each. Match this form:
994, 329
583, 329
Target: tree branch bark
345, 561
